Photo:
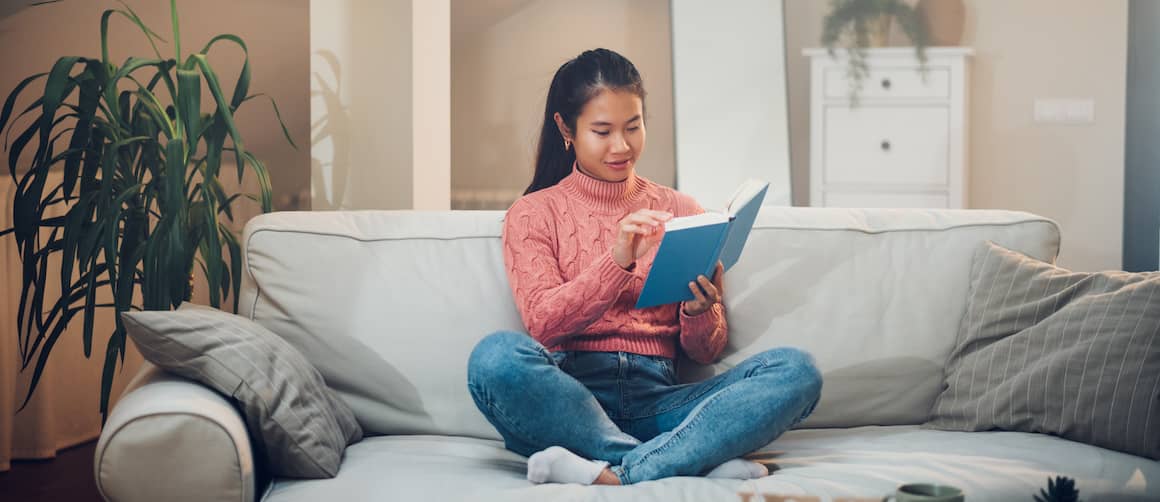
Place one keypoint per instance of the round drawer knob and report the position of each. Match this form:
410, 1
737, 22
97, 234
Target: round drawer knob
885, 145
886, 83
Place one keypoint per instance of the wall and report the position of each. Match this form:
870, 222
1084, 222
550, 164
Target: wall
502, 61
431, 104
1024, 50
360, 104
31, 40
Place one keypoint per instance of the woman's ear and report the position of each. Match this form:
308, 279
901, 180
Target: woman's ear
567, 134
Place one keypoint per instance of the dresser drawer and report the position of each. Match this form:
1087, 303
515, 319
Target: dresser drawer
886, 82
899, 145
885, 199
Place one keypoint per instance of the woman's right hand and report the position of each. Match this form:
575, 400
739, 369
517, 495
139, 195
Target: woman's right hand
636, 234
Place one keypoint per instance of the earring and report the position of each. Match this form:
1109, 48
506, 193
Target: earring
567, 144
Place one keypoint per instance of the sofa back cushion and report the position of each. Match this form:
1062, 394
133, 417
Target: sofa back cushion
389, 304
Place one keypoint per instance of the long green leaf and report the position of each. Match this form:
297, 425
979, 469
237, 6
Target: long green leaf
54, 93
235, 251
131, 16
18, 148
213, 252
42, 361
90, 313
242, 88
131, 65
82, 132
58, 327
176, 30
114, 350
10, 102
266, 191
157, 113
36, 105
73, 231
61, 308
180, 253
224, 112
220, 194
277, 113
189, 105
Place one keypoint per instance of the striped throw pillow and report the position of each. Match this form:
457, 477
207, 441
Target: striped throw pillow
1044, 349
300, 426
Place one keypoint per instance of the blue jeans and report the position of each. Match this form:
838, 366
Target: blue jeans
629, 410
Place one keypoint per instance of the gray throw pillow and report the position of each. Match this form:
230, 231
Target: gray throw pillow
299, 425
1044, 349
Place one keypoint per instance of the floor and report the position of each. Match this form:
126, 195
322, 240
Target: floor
68, 477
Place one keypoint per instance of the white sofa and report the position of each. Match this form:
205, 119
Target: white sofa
388, 305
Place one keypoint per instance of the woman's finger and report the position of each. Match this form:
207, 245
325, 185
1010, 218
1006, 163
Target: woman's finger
697, 294
660, 215
643, 220
708, 287
637, 229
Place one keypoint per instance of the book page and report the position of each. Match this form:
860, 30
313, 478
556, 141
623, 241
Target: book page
743, 195
697, 220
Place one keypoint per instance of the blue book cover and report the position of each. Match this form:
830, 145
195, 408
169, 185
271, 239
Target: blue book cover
692, 245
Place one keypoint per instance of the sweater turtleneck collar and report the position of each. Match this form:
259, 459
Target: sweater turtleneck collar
606, 196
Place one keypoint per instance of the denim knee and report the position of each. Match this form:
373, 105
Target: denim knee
797, 363
493, 358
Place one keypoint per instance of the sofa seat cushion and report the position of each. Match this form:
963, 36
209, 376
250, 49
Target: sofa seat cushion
860, 462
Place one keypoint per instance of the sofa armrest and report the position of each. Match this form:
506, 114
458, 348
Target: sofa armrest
173, 439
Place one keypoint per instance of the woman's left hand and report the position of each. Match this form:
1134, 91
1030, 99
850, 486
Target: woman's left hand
705, 293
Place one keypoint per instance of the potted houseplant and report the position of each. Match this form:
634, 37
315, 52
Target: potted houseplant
859, 24
141, 164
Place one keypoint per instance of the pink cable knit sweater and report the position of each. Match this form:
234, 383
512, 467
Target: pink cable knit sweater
573, 296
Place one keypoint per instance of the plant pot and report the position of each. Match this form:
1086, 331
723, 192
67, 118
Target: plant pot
944, 20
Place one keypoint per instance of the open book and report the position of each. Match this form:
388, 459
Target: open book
692, 245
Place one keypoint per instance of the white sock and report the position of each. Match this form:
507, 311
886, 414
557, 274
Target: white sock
739, 468
558, 465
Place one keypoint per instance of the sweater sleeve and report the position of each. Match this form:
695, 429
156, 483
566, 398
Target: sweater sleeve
703, 337
553, 308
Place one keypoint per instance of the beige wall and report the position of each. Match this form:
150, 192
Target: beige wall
361, 101
431, 104
33, 38
1024, 50
501, 69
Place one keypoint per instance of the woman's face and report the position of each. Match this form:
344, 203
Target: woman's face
609, 135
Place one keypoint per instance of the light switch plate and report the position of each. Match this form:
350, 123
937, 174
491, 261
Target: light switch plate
1065, 110
1081, 111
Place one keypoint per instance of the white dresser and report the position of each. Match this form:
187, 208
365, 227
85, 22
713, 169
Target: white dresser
903, 144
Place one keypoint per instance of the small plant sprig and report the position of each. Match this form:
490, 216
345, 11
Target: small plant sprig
850, 22
1060, 489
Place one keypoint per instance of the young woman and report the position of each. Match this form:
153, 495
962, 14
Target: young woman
592, 395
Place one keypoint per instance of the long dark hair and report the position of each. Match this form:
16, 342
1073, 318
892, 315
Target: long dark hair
576, 82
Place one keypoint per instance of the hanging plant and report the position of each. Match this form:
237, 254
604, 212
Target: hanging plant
859, 24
